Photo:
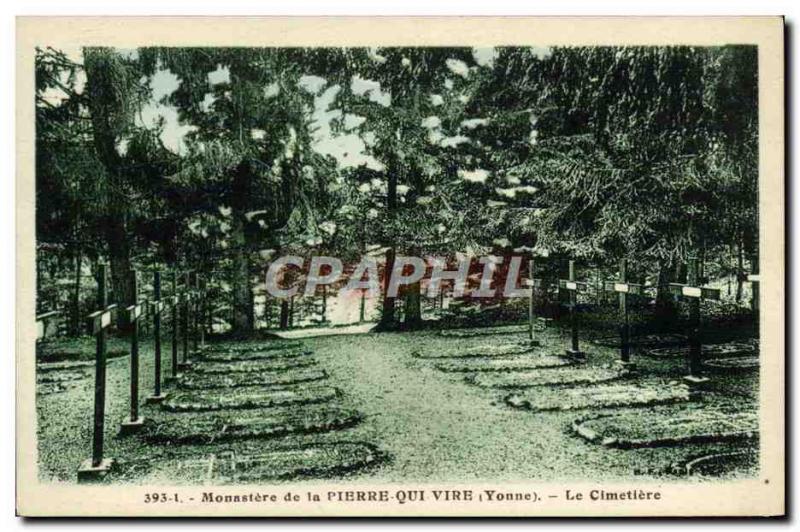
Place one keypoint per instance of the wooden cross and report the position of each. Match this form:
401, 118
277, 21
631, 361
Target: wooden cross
694, 294
572, 285
156, 306
136, 311
174, 302
624, 289
186, 297
754, 278
203, 311
195, 302
533, 283
96, 467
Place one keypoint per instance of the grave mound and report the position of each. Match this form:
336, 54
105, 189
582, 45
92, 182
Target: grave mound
647, 340
77, 350
719, 464
318, 460
547, 377
47, 388
254, 347
733, 364
196, 381
228, 356
708, 351
309, 461
483, 350
667, 427
243, 398
483, 331
502, 364
61, 376
252, 366
45, 367
203, 429
601, 396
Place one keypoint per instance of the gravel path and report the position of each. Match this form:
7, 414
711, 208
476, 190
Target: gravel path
439, 428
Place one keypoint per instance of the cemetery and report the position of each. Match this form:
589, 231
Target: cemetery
273, 409
495, 282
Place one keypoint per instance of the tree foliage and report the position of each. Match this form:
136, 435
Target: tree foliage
596, 153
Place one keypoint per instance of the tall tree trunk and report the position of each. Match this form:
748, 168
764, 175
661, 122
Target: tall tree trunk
387, 316
665, 309
284, 323
729, 261
98, 64
209, 316
413, 307
120, 257
680, 273
241, 198
242, 290
267, 312
243, 299
739, 271
324, 310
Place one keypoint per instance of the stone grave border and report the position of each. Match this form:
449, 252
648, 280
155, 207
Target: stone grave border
265, 346
621, 374
236, 367
334, 419
483, 331
217, 380
521, 350
712, 459
710, 351
255, 355
173, 404
525, 404
593, 437
54, 377
558, 362
374, 458
718, 365
377, 457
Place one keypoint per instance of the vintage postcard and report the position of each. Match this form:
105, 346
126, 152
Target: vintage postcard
400, 266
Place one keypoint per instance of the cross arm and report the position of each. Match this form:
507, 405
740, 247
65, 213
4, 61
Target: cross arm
41, 322
571, 285
624, 287
701, 292
156, 306
101, 319
136, 311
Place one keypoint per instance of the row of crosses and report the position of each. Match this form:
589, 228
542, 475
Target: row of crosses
692, 291
186, 302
